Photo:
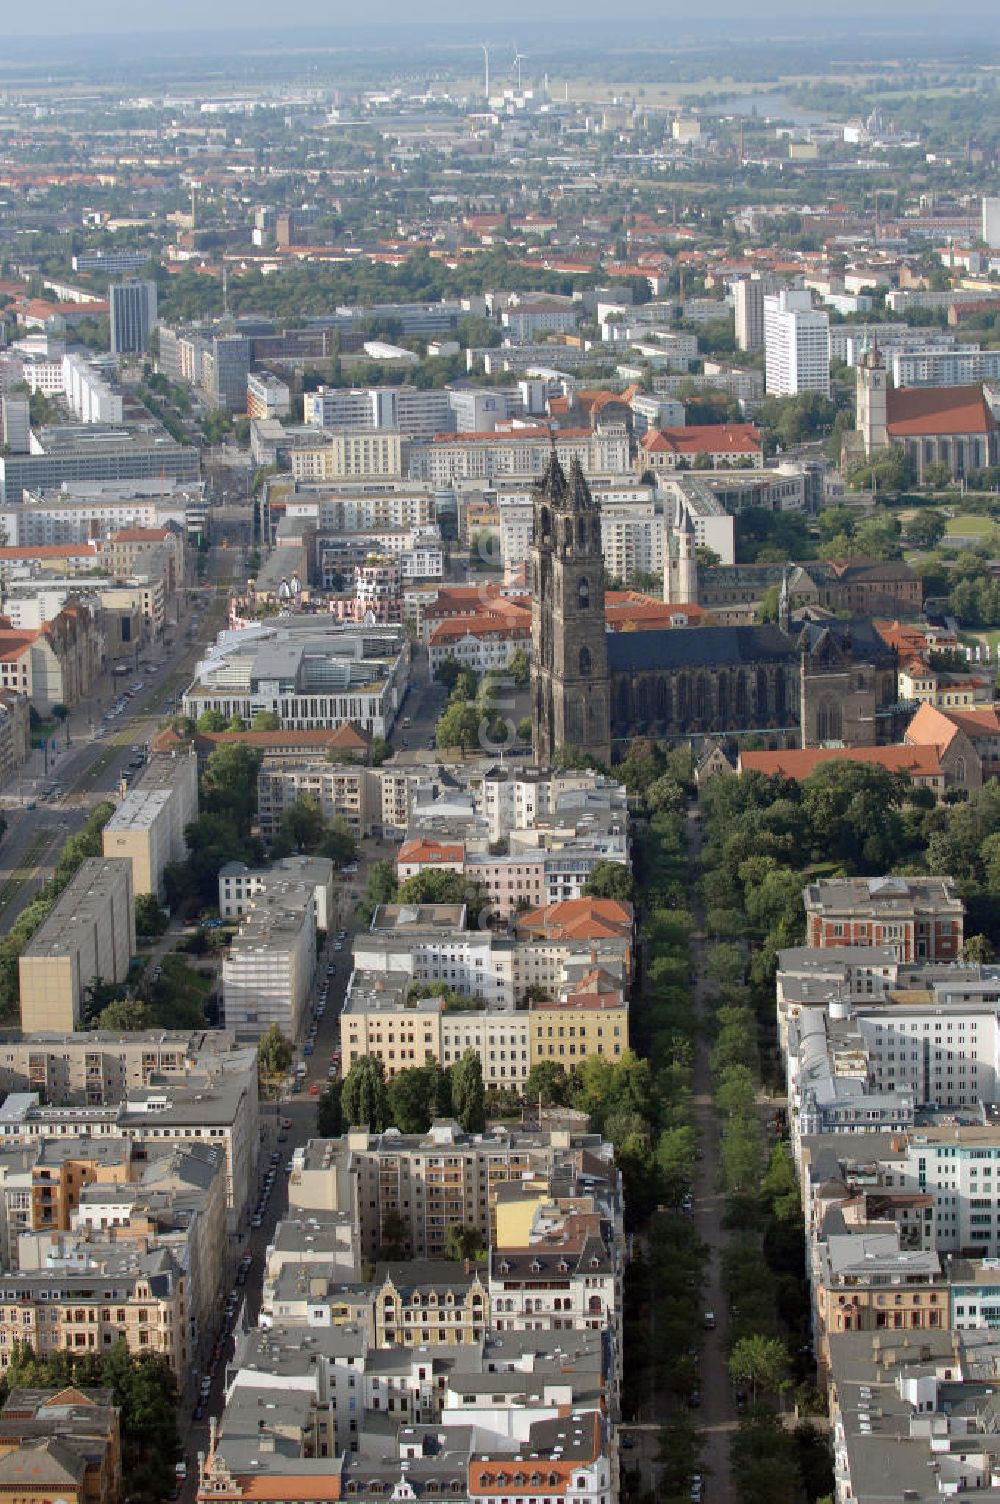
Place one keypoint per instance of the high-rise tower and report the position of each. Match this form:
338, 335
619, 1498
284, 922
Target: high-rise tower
570, 688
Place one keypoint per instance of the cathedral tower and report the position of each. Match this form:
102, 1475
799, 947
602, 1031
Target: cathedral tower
680, 562
873, 401
570, 688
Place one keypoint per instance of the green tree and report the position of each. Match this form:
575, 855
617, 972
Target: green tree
364, 1098
548, 1083
609, 880
977, 950
463, 1242
339, 843
211, 720
265, 720
459, 726
229, 783
447, 673
329, 1118
125, 1016
274, 1055
301, 827
149, 917
926, 528
413, 1098
468, 1094
519, 667
760, 1363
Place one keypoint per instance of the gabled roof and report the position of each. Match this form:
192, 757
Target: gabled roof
578, 919
917, 411
799, 762
703, 647
430, 852
703, 438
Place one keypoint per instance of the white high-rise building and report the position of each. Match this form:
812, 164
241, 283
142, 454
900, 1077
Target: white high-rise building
991, 223
796, 345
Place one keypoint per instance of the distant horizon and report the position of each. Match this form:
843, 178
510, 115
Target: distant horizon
118, 19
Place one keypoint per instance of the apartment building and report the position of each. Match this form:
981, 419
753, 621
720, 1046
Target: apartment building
381, 1019
15, 732
524, 451
356, 454
573, 1286
239, 884
268, 974
216, 1106
423, 1302
432, 1180
417, 414
922, 918
148, 827
430, 943
140, 1298
97, 1068
90, 932
866, 1282
347, 792
592, 1019
56, 661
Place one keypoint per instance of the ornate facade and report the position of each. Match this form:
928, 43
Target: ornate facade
569, 671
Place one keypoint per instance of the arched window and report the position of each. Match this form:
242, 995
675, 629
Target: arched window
741, 696
829, 720
661, 699
581, 533
780, 701
624, 704
584, 661
545, 522
583, 593
701, 698
761, 693
722, 691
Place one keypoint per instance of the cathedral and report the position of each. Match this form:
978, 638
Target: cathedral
827, 683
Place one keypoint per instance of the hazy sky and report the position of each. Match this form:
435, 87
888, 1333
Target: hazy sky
70, 17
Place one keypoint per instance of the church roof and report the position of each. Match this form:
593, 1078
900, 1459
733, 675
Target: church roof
917, 411
799, 762
699, 647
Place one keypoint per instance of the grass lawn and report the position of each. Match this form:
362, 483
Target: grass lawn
967, 525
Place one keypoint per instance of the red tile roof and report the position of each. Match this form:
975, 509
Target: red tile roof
917, 411
430, 852
798, 763
703, 438
578, 919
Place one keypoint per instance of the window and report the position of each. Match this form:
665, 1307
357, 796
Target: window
584, 661
583, 593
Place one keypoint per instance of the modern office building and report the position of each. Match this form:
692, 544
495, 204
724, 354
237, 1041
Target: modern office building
95, 452
89, 933
796, 345
133, 316
749, 301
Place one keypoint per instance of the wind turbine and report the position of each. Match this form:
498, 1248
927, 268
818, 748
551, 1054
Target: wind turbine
519, 58
486, 63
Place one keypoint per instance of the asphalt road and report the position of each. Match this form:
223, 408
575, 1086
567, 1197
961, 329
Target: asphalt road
300, 1111
91, 753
